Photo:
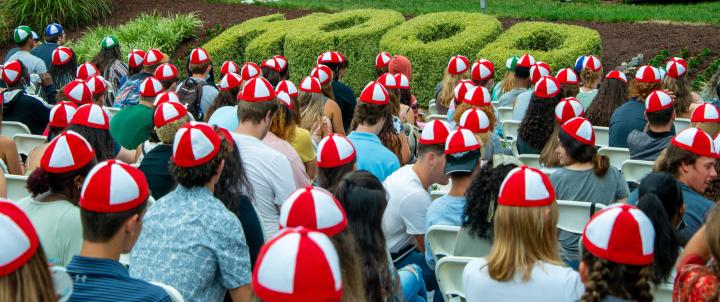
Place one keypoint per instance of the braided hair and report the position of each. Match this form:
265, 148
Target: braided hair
606, 278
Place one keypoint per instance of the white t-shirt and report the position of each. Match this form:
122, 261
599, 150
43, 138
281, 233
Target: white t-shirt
407, 205
548, 282
271, 179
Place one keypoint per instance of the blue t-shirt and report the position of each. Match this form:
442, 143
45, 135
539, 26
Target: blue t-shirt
44, 51
446, 210
372, 156
225, 117
626, 118
96, 279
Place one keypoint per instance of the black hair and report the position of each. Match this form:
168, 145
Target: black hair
100, 140
405, 97
197, 176
582, 153
482, 199
224, 98
52, 39
537, 126
330, 178
41, 181
63, 74
233, 181
336, 67
273, 76
660, 118
53, 132
101, 227
522, 72
106, 57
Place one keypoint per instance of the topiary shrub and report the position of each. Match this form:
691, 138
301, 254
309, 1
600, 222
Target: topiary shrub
39, 13
556, 44
430, 40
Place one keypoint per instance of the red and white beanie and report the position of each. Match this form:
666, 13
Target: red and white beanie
525, 61
67, 152
168, 112
458, 64
153, 57
249, 71
135, 58
618, 75
620, 233
435, 133
482, 70
403, 81
20, 241
581, 130
311, 85
61, 114
593, 63
284, 99
277, 63
166, 71
195, 144
648, 74
382, 60
61, 55
705, 113
375, 93
229, 67
257, 90
333, 57
461, 140
113, 186
475, 120
567, 76
547, 87
526, 187
296, 266
199, 56
150, 87
229, 81
78, 92
86, 70
287, 87
313, 208
96, 84
478, 96
323, 73
461, 89
11, 72
335, 150
388, 80
676, 67
166, 97
658, 100
694, 141
539, 70
716, 145
568, 108
91, 115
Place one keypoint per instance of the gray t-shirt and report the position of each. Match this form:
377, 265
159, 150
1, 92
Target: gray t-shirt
508, 98
34, 64
522, 102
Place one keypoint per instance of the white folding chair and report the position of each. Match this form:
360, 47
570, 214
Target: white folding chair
16, 187
617, 156
441, 239
573, 215
433, 117
449, 272
9, 129
602, 136
681, 124
27, 142
663, 292
112, 110
438, 190
530, 160
468, 245
505, 113
635, 170
510, 128
174, 294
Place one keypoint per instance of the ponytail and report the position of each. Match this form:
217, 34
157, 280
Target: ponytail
37, 182
601, 164
666, 241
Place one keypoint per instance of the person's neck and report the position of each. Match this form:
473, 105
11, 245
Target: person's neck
25, 48
104, 250
460, 185
423, 173
521, 84
250, 129
146, 103
374, 129
580, 166
660, 129
199, 76
587, 88
54, 196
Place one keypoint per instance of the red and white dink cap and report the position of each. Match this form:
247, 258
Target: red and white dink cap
435, 133
375, 93
249, 71
382, 60
61, 55
581, 130
694, 141
313, 208
166, 97
388, 80
618, 75
568, 108
113, 186
461, 89
284, 99
592, 63
402, 81
296, 266
539, 70
525, 61
96, 84
526, 187
458, 64
135, 58
478, 96
78, 92
257, 90
716, 145
658, 100
287, 87
475, 120
168, 112
311, 85
199, 56
150, 87
705, 113
61, 114
648, 74
322, 73
277, 63
11, 72
332, 57
229, 81
228, 67
20, 241
335, 150
86, 70
195, 144
620, 233
482, 70
676, 67
68, 151
91, 115
461, 140
153, 57
547, 87
567, 76
166, 71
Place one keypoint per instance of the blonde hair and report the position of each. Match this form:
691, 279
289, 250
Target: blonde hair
641, 90
548, 156
682, 88
589, 77
312, 108
448, 86
283, 124
508, 82
394, 101
711, 128
31, 282
517, 246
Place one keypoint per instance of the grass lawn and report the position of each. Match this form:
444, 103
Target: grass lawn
552, 10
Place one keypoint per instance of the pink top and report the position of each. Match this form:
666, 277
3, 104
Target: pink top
298, 168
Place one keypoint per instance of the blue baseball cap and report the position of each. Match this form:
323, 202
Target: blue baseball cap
53, 30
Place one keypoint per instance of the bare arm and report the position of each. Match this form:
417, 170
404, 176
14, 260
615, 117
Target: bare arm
127, 156
420, 242
241, 294
11, 157
332, 110
311, 168
696, 246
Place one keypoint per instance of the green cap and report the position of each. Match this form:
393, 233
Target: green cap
109, 42
511, 62
22, 34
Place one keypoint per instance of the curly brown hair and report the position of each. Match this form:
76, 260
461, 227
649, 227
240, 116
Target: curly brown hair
640, 90
536, 127
611, 94
369, 114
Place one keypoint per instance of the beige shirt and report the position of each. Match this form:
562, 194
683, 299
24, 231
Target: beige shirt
58, 226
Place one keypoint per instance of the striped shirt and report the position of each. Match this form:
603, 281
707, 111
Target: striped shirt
96, 279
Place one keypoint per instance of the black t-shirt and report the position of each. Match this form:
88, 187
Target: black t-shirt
26, 109
155, 166
345, 98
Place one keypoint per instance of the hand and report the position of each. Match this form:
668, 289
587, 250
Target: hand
46, 79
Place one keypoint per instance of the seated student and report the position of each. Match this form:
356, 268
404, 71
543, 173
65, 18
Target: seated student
508, 79
54, 37
23, 37
98, 89
678, 82
522, 101
319, 114
131, 126
167, 74
392, 135
130, 93
55, 188
706, 117
60, 116
135, 64
613, 92
195, 91
477, 121
462, 160
569, 82
631, 115
342, 94
110, 65
112, 222
92, 122
590, 77
618, 255
335, 159
458, 69
24, 273
302, 142
521, 81
523, 263
188, 225
537, 125
229, 87
697, 279
370, 117
382, 61
647, 144
18, 105
565, 110
282, 132
63, 66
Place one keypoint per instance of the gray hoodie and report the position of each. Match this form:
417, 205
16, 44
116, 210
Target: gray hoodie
644, 146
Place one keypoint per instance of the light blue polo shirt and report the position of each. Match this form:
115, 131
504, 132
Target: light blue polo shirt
372, 156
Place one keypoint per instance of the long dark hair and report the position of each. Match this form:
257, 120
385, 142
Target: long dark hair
364, 199
233, 180
583, 153
273, 76
100, 140
63, 74
611, 94
481, 199
389, 137
106, 57
607, 278
330, 178
537, 126
224, 98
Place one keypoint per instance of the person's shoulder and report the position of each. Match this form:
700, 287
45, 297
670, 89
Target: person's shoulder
476, 266
148, 291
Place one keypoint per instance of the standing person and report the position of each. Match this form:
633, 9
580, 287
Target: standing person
267, 169
458, 69
112, 223
110, 66
523, 263
195, 91
130, 92
275, 70
590, 76
302, 141
613, 92
132, 125
188, 225
631, 115
63, 66
565, 110
343, 95
18, 105
521, 81
282, 132
648, 143
318, 114
335, 159
537, 125
54, 37
680, 85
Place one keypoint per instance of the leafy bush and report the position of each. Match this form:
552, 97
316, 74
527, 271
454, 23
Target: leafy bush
430, 40
39, 13
143, 32
556, 44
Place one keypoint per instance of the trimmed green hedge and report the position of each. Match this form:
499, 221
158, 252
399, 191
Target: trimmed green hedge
556, 44
430, 40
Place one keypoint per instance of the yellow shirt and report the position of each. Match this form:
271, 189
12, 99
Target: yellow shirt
303, 145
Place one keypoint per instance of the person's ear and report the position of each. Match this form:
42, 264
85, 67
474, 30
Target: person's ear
78, 182
132, 225
645, 115
584, 271
209, 67
220, 167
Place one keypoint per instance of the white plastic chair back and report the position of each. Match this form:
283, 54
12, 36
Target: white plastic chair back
573, 215
174, 294
16, 187
441, 239
635, 170
468, 245
505, 113
438, 190
663, 292
433, 117
510, 128
112, 110
681, 124
27, 142
602, 136
617, 156
9, 129
530, 160
432, 107
449, 271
